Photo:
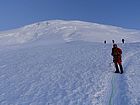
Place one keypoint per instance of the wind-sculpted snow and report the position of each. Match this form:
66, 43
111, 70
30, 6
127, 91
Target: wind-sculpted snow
67, 31
63, 63
74, 73
66, 74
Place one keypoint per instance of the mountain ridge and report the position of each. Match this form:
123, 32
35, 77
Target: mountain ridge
66, 31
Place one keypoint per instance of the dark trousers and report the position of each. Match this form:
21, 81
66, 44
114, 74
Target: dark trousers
117, 68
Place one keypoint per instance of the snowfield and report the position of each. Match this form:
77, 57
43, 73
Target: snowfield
66, 63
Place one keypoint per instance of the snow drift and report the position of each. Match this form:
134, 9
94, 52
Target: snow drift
38, 67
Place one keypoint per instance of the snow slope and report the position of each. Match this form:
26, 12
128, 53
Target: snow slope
66, 31
38, 67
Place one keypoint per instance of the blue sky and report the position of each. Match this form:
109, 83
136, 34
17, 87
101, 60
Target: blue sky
17, 13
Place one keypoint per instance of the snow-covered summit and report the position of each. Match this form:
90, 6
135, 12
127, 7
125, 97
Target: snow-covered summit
76, 73
65, 31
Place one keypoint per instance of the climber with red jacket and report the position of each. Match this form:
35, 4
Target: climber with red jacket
116, 53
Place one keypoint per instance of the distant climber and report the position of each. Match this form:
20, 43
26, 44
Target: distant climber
113, 41
122, 40
116, 53
105, 41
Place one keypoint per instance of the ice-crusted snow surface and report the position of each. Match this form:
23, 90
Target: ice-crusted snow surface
62, 63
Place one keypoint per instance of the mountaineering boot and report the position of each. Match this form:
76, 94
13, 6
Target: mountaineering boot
116, 72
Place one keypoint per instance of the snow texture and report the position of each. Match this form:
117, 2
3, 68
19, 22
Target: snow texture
66, 63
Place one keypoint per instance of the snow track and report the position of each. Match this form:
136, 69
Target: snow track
120, 93
74, 73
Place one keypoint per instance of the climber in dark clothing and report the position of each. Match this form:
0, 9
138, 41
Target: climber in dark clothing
122, 40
